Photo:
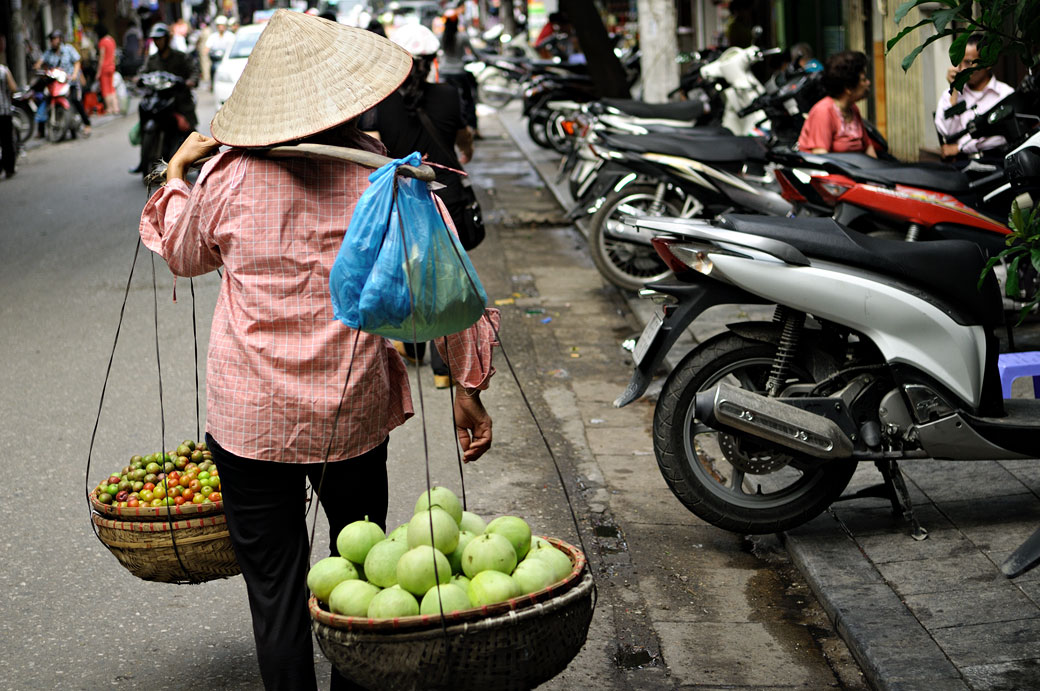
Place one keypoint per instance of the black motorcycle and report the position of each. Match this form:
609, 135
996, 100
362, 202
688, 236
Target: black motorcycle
163, 126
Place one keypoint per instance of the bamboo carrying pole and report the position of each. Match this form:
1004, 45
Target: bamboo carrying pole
326, 151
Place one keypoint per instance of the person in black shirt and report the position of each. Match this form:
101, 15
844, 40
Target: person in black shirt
166, 59
427, 118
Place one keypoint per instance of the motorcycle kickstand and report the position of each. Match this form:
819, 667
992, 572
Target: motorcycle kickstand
894, 489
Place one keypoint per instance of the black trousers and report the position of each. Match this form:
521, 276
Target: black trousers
7, 147
263, 503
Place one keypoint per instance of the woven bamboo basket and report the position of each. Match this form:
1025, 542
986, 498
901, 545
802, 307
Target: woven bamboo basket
509, 646
185, 551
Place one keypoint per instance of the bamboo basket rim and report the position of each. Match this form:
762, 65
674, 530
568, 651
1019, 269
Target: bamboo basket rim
159, 526
467, 617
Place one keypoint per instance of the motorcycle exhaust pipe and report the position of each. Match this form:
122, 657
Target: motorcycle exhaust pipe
767, 418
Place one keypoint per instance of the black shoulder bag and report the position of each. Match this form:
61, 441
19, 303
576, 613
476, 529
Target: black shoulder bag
464, 208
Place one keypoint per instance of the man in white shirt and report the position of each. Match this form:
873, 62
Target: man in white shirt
217, 46
981, 93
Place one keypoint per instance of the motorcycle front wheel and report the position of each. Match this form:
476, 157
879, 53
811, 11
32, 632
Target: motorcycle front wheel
23, 124
536, 128
495, 89
57, 123
557, 137
628, 265
736, 481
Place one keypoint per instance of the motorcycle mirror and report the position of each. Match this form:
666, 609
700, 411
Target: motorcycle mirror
955, 109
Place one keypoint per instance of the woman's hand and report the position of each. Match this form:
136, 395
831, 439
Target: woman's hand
196, 146
472, 425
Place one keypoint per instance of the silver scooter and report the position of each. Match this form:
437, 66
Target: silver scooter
879, 351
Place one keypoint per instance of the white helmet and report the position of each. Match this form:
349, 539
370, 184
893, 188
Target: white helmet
416, 39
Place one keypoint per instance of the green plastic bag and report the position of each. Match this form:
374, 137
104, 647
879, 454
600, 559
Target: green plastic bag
135, 134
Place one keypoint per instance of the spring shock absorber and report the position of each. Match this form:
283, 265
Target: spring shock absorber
913, 232
793, 322
657, 205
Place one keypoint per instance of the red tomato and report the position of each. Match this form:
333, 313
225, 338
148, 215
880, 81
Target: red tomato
149, 486
179, 500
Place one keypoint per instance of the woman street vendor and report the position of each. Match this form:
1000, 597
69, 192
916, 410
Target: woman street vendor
288, 386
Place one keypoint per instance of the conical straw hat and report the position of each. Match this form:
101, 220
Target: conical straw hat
306, 75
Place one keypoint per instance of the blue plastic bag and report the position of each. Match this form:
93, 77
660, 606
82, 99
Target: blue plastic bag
400, 272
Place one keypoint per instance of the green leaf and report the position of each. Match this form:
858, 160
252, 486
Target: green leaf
1024, 312
909, 59
957, 47
1011, 284
1035, 258
990, 263
905, 8
903, 32
1016, 217
943, 17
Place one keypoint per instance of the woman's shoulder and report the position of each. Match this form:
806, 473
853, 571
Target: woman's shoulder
824, 105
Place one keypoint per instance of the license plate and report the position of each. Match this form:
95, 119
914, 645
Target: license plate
647, 337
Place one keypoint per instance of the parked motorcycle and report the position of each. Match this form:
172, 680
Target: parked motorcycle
163, 127
880, 350
23, 113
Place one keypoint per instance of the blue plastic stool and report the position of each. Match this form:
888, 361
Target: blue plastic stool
1014, 365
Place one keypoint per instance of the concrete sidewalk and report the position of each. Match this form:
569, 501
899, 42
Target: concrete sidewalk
935, 614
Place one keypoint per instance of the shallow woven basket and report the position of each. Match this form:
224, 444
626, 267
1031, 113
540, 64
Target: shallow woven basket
147, 549
528, 643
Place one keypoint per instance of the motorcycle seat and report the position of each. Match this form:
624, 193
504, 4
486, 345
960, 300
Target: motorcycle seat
938, 177
708, 149
681, 110
947, 269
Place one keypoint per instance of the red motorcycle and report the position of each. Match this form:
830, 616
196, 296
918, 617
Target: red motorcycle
62, 118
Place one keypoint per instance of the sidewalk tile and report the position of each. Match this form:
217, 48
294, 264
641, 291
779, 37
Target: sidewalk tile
961, 480
979, 644
967, 571
996, 525
1004, 676
1000, 601
942, 542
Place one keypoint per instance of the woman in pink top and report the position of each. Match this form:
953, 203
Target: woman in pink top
287, 385
834, 124
107, 69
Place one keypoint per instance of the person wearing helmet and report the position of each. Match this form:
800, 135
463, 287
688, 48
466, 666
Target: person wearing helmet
66, 58
166, 59
425, 117
217, 46
280, 363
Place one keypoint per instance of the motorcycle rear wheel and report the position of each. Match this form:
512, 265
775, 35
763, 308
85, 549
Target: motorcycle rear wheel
714, 474
558, 139
627, 265
57, 123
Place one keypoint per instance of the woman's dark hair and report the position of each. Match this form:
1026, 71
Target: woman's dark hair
842, 71
376, 27
101, 30
414, 86
450, 36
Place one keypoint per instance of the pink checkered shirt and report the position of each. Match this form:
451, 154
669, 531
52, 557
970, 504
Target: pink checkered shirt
277, 357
